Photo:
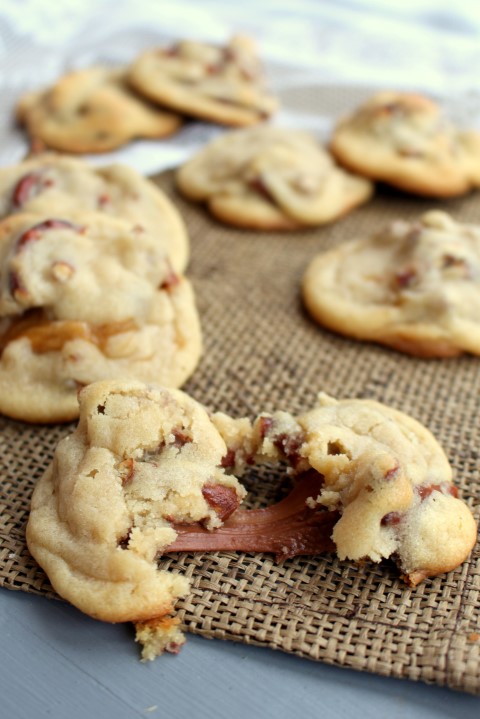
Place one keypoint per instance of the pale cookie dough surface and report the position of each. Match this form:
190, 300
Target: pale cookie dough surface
83, 302
221, 84
141, 458
92, 110
54, 185
403, 139
271, 178
413, 286
386, 475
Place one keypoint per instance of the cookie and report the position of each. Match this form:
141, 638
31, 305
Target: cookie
220, 84
415, 286
386, 476
269, 178
141, 458
92, 110
404, 139
51, 184
149, 471
83, 300
380, 479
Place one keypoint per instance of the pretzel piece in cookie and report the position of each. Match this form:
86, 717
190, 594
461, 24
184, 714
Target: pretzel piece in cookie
403, 139
221, 84
54, 185
415, 286
92, 110
270, 178
83, 301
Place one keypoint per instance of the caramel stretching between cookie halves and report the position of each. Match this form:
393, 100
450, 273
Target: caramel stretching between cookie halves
149, 471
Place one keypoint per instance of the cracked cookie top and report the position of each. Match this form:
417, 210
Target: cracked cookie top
141, 458
388, 478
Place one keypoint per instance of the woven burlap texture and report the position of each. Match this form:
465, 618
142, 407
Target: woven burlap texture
261, 353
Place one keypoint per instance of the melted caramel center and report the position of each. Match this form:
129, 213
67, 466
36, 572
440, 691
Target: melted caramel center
288, 528
47, 335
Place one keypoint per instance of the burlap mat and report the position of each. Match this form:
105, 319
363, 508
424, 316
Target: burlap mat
262, 352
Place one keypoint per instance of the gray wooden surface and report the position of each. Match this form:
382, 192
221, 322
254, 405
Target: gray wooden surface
58, 663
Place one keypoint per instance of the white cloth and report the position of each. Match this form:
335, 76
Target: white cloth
428, 45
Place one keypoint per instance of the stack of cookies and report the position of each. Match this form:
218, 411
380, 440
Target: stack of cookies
91, 285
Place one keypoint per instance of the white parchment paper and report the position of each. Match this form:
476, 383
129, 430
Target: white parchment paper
427, 45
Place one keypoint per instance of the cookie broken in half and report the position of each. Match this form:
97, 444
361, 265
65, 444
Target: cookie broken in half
149, 471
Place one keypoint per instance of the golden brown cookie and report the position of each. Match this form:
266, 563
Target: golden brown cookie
415, 286
270, 178
92, 110
83, 300
386, 476
141, 458
403, 139
54, 185
221, 84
